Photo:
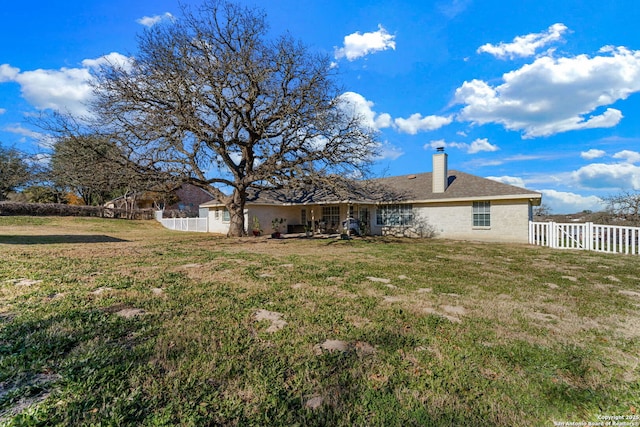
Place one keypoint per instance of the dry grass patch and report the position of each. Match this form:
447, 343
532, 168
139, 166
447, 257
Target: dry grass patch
167, 328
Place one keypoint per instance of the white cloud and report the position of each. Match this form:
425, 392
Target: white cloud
42, 139
628, 156
437, 143
592, 154
453, 8
523, 46
511, 180
561, 202
363, 108
388, 151
67, 89
357, 45
620, 176
553, 95
480, 144
150, 21
416, 123
112, 59
20, 130
8, 73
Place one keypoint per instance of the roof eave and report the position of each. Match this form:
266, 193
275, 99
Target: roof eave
527, 196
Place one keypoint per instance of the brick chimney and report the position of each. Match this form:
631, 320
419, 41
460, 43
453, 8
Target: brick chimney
440, 172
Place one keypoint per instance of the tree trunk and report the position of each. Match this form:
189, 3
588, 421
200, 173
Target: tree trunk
235, 206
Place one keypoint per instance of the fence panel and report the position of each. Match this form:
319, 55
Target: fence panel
586, 236
571, 236
539, 233
183, 224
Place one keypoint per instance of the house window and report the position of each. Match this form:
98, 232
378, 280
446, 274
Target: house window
394, 215
216, 214
225, 216
481, 214
331, 216
303, 217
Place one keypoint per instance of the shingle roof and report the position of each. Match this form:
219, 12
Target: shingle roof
461, 185
408, 188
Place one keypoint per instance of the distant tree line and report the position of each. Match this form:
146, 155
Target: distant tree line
87, 170
59, 209
620, 209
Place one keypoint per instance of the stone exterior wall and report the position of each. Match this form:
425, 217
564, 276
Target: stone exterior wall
509, 221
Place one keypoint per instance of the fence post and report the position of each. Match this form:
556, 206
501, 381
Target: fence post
553, 235
589, 236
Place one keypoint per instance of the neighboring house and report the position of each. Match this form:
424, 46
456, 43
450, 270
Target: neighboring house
189, 198
186, 199
443, 203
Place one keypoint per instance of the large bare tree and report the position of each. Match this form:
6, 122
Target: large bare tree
213, 100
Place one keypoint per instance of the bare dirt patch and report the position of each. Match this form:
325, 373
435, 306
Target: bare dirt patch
543, 317
192, 265
101, 290
129, 313
378, 279
314, 402
277, 322
360, 347
630, 293
43, 381
452, 319
23, 282
456, 310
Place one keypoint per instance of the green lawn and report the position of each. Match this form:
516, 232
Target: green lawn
110, 322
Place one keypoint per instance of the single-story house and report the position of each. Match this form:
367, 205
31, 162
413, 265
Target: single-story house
442, 203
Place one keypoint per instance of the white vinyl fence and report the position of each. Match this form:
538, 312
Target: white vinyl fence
183, 224
586, 236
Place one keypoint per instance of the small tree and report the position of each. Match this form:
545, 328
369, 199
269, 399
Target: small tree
15, 171
542, 211
91, 166
210, 100
43, 194
624, 206
97, 168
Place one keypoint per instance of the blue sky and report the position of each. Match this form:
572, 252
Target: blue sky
540, 94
